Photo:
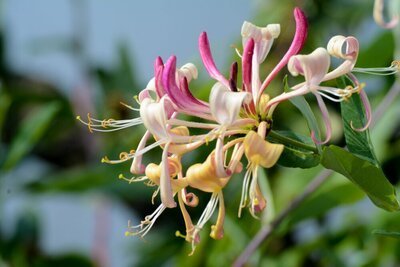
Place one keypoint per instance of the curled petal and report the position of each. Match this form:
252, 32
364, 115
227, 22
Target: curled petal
219, 159
327, 122
190, 101
313, 66
262, 36
203, 176
189, 71
145, 93
154, 116
297, 43
137, 166
180, 96
225, 105
190, 199
344, 48
167, 196
208, 61
378, 16
260, 151
169, 82
366, 104
154, 173
367, 108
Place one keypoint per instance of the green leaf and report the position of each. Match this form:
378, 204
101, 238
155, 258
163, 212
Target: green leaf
31, 130
386, 233
364, 174
358, 142
299, 152
302, 105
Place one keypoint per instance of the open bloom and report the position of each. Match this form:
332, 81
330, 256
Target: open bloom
236, 120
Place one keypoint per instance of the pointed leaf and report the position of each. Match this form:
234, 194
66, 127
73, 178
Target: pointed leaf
358, 142
364, 174
302, 105
299, 152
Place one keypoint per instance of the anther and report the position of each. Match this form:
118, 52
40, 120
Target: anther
179, 234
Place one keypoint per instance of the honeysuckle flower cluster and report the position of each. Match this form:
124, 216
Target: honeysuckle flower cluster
234, 122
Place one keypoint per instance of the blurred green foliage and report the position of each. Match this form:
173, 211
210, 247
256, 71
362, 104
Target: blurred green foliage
334, 227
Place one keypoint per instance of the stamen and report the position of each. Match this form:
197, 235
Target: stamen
123, 156
192, 124
252, 190
149, 147
245, 190
136, 98
145, 225
237, 50
179, 234
204, 218
129, 107
391, 70
339, 99
133, 179
337, 94
115, 125
217, 230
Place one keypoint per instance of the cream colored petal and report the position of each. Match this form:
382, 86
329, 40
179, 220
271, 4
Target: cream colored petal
262, 36
154, 117
260, 151
345, 48
137, 166
313, 66
189, 71
225, 104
